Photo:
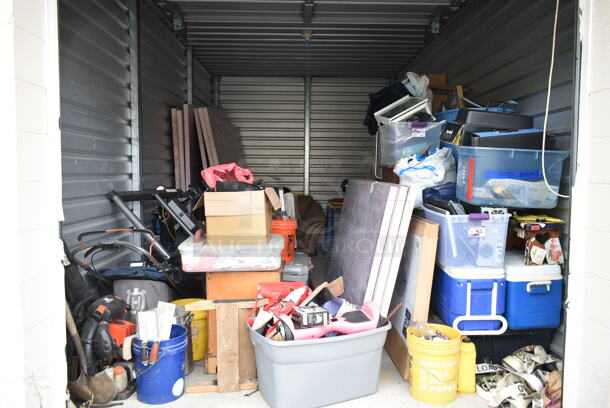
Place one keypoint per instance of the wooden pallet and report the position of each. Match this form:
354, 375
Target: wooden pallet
236, 366
232, 285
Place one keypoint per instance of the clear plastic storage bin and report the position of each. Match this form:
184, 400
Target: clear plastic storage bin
468, 241
202, 257
508, 177
402, 139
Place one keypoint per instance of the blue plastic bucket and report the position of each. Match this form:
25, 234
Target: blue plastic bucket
162, 381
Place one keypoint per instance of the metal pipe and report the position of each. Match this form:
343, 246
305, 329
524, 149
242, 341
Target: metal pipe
137, 223
307, 134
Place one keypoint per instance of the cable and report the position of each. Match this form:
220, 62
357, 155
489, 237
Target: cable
548, 102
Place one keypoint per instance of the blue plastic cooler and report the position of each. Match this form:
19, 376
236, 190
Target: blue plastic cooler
470, 299
533, 294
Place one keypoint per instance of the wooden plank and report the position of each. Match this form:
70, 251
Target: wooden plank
210, 305
180, 126
247, 360
210, 146
212, 342
200, 139
226, 137
213, 387
238, 285
176, 149
228, 347
191, 147
210, 362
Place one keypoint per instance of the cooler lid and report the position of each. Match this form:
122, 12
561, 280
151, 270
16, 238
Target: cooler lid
472, 272
517, 271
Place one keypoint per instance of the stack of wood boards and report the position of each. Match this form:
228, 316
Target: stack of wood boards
370, 240
202, 137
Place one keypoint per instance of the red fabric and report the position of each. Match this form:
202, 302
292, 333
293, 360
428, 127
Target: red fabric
226, 172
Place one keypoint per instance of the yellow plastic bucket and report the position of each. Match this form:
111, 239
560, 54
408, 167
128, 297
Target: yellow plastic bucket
199, 329
434, 366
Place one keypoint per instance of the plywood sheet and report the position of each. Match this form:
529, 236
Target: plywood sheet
223, 140
176, 150
357, 234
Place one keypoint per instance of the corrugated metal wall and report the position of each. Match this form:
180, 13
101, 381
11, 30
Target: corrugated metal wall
203, 88
95, 112
269, 111
501, 50
340, 146
162, 86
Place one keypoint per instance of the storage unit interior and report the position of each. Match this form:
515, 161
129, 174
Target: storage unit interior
293, 76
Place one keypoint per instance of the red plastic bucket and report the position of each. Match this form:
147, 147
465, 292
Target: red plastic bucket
287, 228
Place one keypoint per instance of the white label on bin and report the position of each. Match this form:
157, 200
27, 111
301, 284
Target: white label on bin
418, 132
178, 387
476, 232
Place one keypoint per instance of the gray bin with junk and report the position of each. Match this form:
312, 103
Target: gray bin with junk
314, 373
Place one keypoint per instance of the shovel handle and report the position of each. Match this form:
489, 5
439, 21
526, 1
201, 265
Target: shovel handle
75, 338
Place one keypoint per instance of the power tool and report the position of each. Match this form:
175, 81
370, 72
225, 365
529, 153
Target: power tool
100, 346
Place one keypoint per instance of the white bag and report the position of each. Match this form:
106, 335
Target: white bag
421, 171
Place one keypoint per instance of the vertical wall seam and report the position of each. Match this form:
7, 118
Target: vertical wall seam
307, 124
135, 101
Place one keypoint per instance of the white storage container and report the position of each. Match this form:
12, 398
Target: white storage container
202, 257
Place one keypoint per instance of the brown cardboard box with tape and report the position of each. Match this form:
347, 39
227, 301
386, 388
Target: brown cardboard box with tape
244, 217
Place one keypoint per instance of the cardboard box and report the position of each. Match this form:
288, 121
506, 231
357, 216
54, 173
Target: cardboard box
239, 217
413, 288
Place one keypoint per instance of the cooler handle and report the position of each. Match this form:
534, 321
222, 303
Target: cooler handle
492, 316
531, 285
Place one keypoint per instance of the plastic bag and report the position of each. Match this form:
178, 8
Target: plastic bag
426, 170
418, 85
226, 172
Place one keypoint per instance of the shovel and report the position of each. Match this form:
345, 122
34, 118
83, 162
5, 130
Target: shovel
98, 389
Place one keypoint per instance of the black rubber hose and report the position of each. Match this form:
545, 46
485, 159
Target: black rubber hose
87, 337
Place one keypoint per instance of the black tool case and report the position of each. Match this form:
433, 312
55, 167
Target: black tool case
494, 120
475, 120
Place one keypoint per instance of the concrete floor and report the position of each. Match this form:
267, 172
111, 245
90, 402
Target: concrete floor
393, 392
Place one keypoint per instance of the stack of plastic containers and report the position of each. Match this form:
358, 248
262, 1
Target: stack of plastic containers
469, 284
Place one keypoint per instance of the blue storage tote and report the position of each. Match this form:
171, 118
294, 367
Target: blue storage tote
466, 241
508, 177
533, 294
473, 296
